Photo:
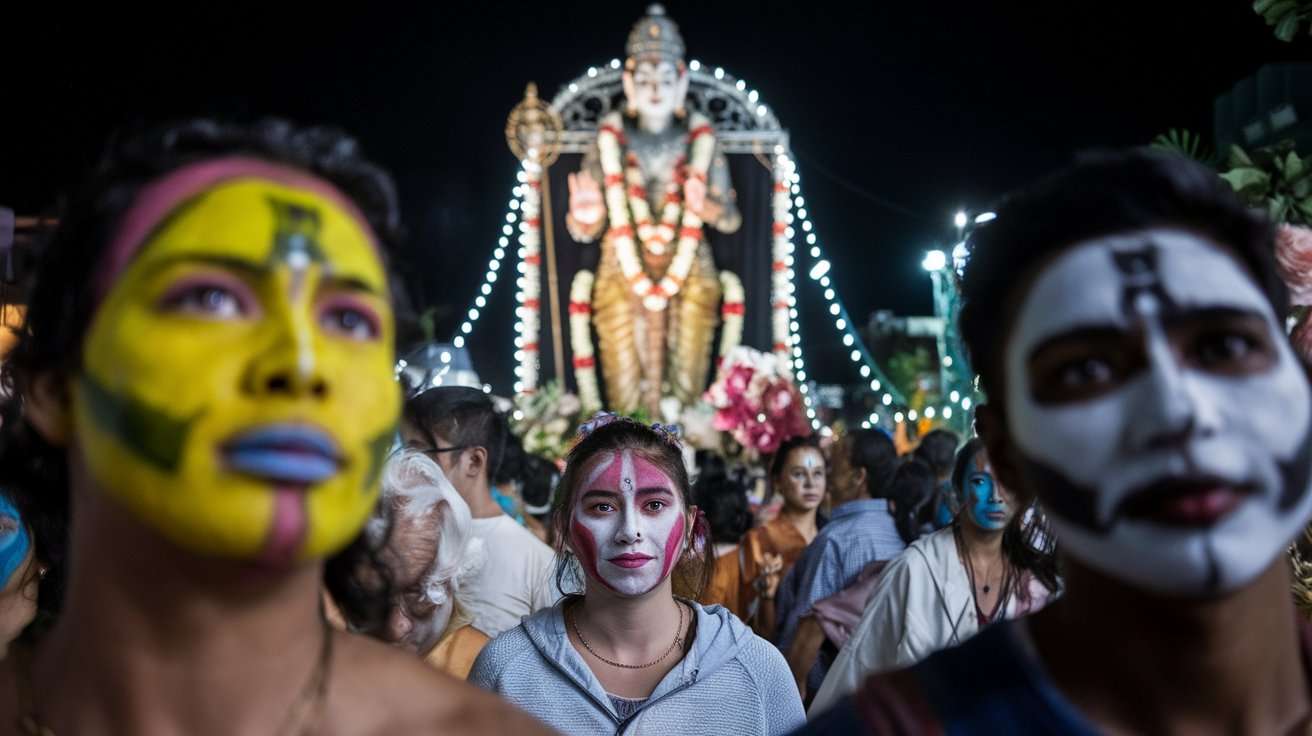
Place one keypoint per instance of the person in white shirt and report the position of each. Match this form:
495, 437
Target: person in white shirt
991, 563
461, 430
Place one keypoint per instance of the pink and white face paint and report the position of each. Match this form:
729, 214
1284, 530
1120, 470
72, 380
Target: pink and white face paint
627, 525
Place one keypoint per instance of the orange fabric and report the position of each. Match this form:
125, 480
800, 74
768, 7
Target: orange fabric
775, 537
725, 583
456, 653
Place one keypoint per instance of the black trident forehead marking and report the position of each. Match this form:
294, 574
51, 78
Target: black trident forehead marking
295, 234
1141, 283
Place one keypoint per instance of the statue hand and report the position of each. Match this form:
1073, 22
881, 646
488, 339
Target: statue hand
585, 203
694, 193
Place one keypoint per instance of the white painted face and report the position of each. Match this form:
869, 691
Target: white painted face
1163, 418
628, 523
655, 89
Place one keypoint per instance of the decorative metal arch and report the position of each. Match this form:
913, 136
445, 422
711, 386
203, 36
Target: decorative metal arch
742, 123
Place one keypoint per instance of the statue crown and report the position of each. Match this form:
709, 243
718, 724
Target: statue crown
655, 36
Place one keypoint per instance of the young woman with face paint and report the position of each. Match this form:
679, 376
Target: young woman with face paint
948, 585
625, 655
1128, 325
798, 473
205, 380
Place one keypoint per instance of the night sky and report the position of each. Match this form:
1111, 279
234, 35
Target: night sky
900, 112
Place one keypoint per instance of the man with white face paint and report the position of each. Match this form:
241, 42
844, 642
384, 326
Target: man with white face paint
1127, 324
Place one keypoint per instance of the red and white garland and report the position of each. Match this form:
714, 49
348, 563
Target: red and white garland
731, 313
627, 207
580, 337
530, 309
781, 284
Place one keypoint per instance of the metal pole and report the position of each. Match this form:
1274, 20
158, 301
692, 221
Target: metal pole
553, 284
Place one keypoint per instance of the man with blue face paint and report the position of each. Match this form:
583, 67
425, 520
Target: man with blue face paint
948, 585
1128, 325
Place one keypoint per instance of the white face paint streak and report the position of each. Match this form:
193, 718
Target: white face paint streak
1237, 428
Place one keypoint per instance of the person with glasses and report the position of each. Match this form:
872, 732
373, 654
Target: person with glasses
459, 429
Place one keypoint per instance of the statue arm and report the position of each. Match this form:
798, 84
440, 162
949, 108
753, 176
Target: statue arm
721, 199
580, 232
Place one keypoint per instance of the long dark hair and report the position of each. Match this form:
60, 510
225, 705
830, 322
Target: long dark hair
911, 489
62, 304
1027, 543
873, 450
693, 572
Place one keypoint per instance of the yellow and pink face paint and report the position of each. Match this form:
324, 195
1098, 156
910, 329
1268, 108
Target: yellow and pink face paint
237, 394
629, 525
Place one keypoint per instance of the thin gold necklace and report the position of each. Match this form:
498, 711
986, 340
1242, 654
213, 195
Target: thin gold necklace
301, 717
678, 639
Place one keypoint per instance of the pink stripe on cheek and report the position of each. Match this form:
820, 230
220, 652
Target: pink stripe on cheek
585, 546
672, 544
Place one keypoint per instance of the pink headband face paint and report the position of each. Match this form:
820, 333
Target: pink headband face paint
627, 525
158, 199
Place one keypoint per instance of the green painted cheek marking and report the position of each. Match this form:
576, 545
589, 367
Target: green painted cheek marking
378, 448
148, 432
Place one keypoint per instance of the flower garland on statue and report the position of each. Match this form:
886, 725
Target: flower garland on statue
580, 337
781, 282
530, 308
731, 314
756, 402
622, 199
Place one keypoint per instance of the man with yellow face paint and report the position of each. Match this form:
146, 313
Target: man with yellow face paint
206, 379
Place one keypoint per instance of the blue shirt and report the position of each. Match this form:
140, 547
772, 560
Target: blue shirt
858, 533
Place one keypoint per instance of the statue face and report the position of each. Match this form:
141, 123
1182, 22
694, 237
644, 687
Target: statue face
237, 393
655, 89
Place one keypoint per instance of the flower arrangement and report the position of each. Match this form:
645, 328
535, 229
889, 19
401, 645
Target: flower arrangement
756, 402
1294, 264
545, 420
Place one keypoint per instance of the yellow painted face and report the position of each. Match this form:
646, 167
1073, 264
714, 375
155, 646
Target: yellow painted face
238, 391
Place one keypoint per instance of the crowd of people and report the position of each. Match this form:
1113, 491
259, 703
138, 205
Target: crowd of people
220, 514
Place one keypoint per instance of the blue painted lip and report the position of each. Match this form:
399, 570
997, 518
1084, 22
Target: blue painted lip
284, 454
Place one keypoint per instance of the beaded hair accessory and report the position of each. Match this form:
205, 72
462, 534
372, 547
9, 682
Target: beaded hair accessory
668, 432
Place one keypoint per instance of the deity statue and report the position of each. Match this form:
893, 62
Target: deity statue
648, 188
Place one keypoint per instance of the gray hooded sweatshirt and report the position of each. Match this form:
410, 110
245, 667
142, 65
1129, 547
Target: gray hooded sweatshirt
731, 682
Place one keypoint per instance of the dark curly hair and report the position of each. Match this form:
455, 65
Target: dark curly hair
1102, 194
62, 303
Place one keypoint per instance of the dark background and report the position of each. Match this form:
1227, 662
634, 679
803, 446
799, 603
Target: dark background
900, 112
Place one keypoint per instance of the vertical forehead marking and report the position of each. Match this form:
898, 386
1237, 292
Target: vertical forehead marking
1142, 293
626, 471
295, 234
296, 229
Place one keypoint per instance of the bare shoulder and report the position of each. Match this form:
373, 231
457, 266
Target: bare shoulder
376, 689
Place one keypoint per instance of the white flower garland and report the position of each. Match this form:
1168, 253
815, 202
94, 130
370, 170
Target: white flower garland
530, 265
655, 296
781, 286
731, 314
580, 338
